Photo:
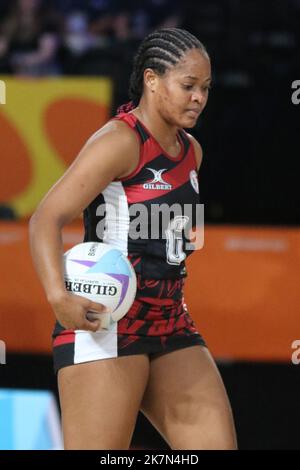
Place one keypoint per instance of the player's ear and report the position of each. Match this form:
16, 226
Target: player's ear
150, 80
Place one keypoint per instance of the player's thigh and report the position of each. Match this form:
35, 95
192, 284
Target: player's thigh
100, 401
186, 401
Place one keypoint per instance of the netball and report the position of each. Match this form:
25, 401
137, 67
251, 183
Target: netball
103, 274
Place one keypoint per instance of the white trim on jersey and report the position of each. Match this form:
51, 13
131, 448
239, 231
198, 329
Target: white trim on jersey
104, 343
117, 218
89, 346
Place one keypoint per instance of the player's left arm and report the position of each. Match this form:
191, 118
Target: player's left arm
198, 150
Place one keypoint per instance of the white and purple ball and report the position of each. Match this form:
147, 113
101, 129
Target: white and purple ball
102, 274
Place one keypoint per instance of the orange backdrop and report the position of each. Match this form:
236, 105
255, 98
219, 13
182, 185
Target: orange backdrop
43, 125
242, 291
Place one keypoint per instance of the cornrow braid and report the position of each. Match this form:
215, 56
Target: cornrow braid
159, 51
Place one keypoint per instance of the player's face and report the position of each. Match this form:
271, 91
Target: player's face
183, 90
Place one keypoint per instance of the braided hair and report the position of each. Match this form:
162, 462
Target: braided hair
159, 51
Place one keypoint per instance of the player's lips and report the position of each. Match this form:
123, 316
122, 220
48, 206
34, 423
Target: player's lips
194, 112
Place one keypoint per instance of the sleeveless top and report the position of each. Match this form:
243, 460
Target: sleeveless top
149, 213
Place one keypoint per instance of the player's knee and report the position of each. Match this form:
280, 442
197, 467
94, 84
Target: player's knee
183, 411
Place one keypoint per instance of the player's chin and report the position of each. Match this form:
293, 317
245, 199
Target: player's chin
189, 122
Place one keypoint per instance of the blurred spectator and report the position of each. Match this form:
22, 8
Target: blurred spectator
92, 34
29, 38
97, 15
101, 14
77, 38
154, 14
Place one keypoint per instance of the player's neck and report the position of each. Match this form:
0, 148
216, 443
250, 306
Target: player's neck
165, 134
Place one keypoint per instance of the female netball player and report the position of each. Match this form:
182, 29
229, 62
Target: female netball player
154, 359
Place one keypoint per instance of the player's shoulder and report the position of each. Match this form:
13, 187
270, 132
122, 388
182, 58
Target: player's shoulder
117, 134
195, 143
197, 148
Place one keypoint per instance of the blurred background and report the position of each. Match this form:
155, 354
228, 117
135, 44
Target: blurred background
64, 69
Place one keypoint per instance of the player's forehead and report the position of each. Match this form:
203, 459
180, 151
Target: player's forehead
194, 63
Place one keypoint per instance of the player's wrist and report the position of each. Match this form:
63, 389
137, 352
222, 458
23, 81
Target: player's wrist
56, 296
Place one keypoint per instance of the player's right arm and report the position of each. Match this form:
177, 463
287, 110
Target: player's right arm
112, 152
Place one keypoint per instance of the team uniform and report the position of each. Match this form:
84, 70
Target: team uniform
158, 320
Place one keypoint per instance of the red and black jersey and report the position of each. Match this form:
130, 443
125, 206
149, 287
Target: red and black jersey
149, 213
127, 215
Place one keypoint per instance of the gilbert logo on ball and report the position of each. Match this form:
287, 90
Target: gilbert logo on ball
103, 274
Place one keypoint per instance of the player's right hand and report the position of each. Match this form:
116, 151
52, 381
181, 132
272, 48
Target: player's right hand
71, 312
